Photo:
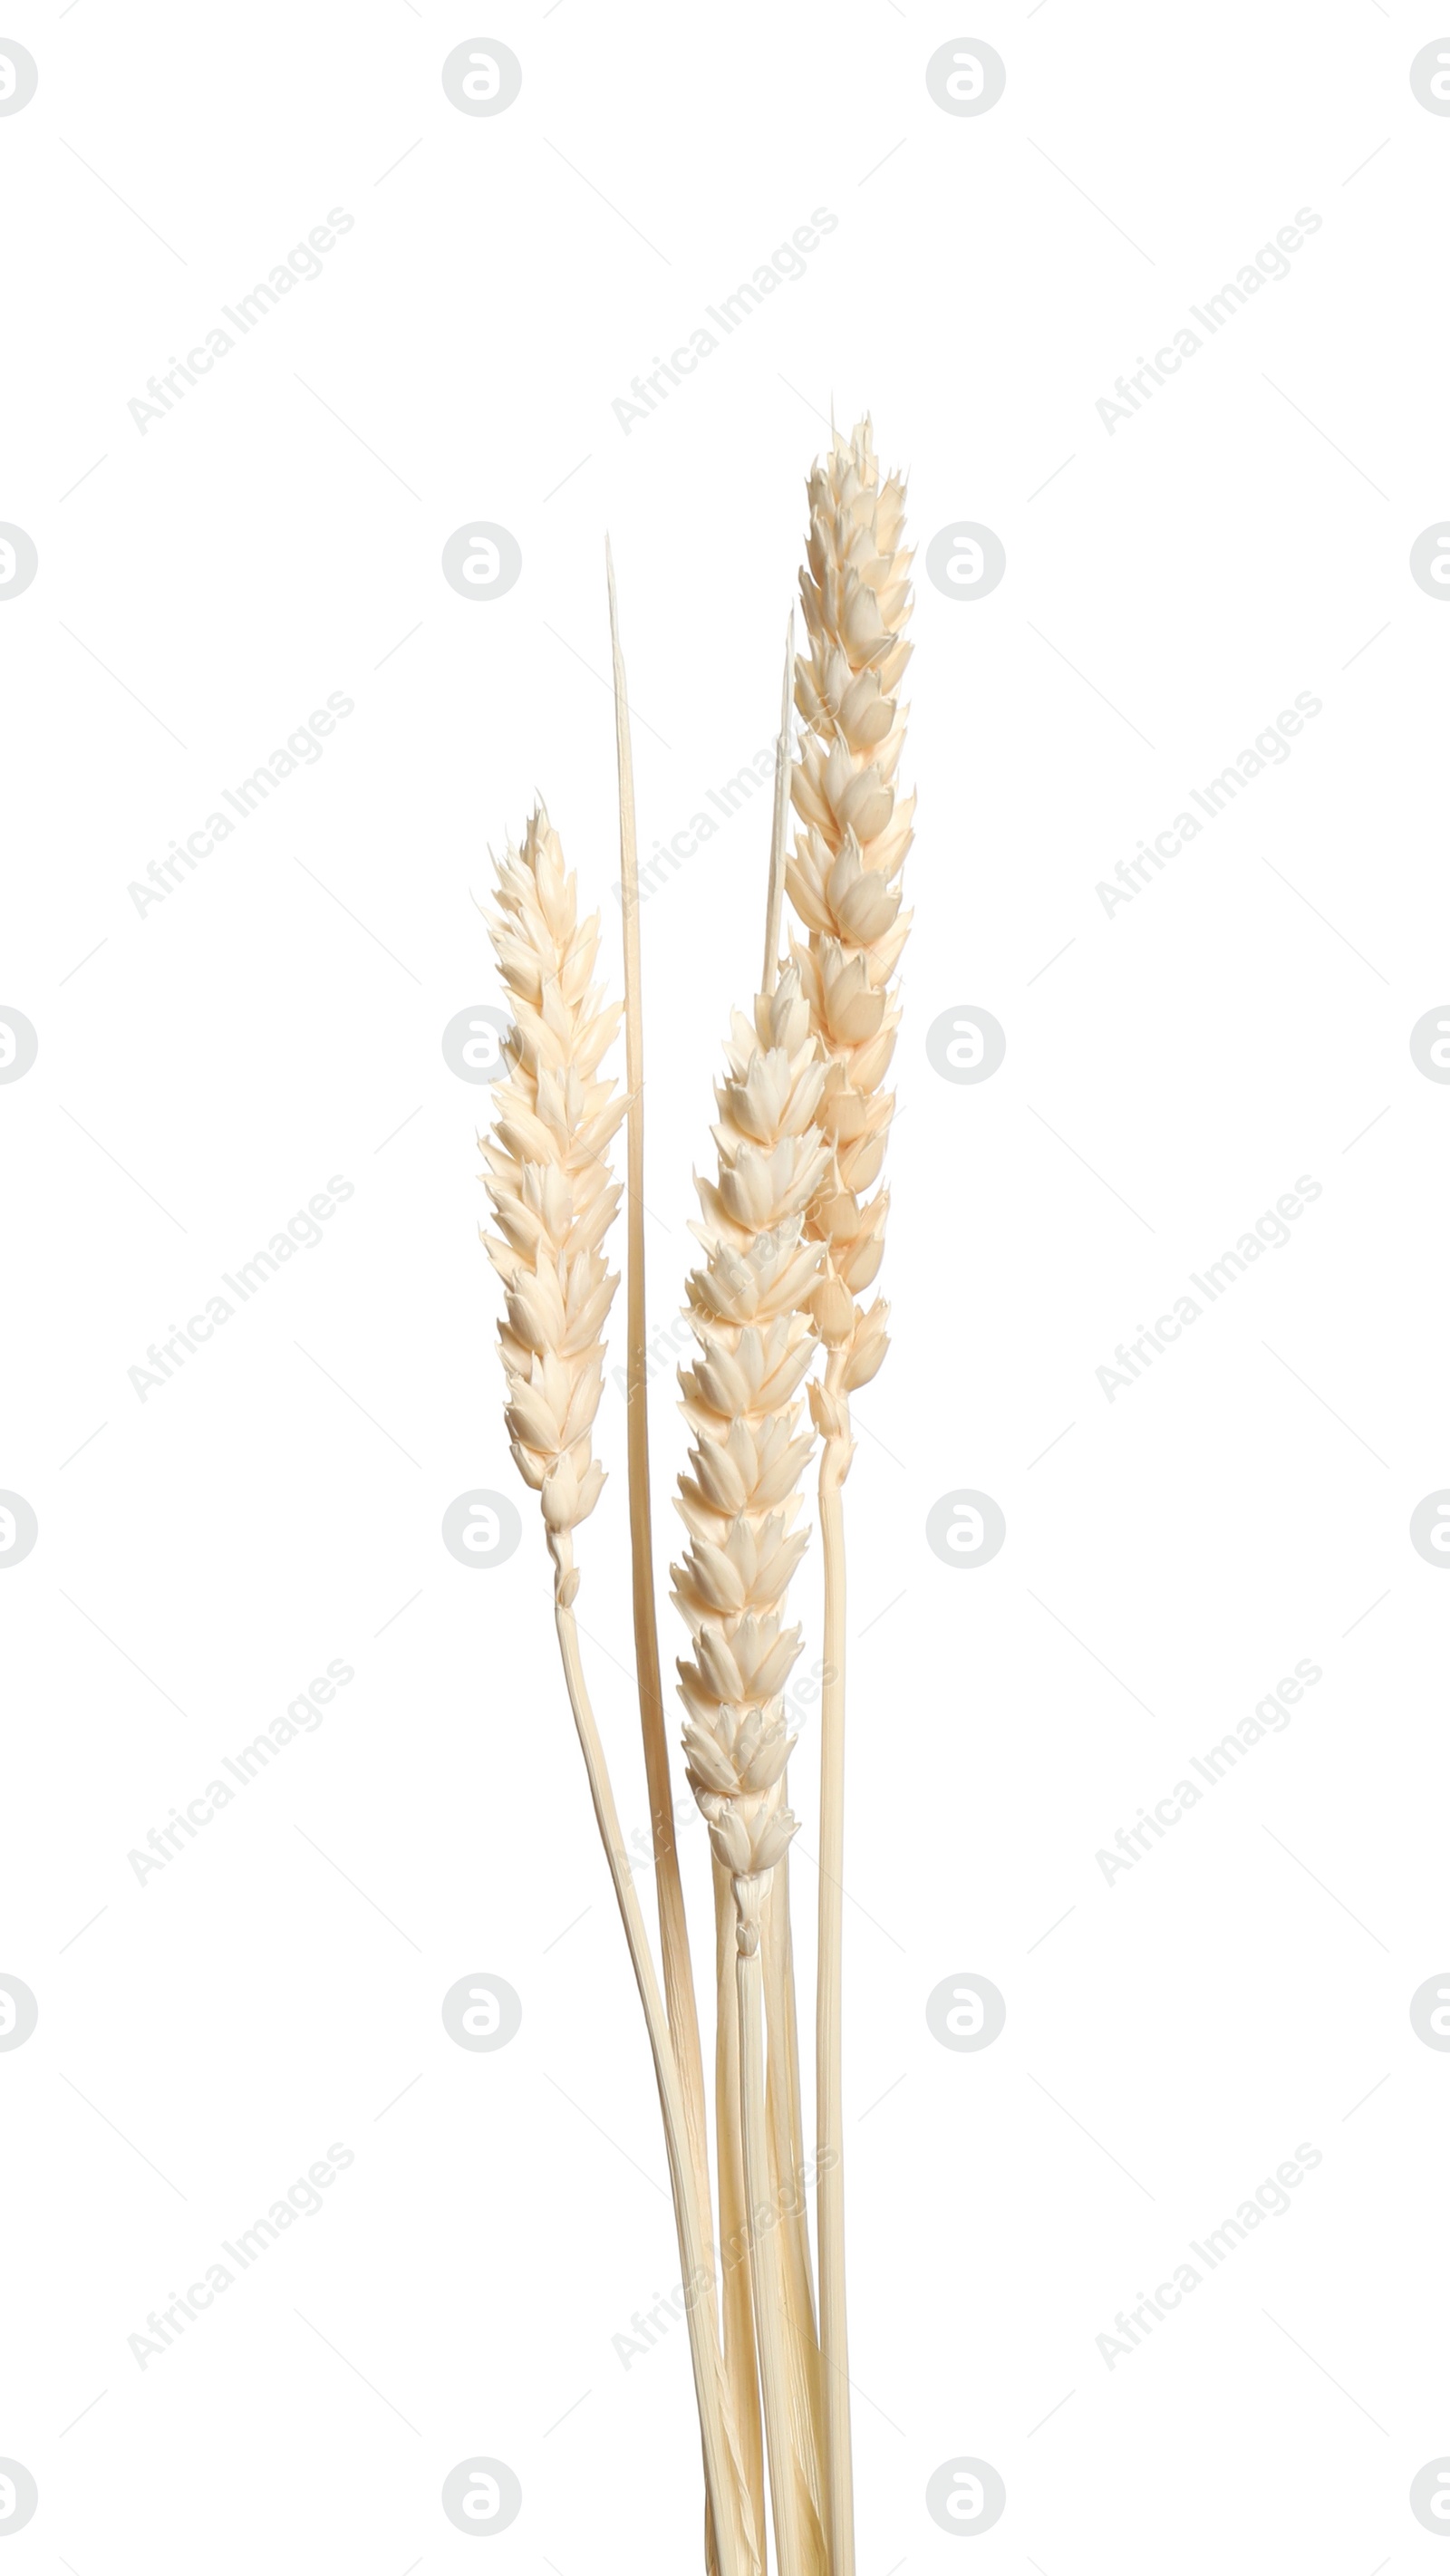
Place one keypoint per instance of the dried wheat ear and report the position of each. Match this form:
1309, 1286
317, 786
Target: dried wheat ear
740, 1498
553, 1194
842, 876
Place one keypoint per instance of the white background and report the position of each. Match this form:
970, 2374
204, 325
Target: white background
1170, 2037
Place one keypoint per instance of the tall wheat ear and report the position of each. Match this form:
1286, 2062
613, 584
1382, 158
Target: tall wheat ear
740, 1500
554, 1197
843, 882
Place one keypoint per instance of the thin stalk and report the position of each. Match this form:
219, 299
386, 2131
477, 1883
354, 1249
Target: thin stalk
734, 2549
739, 2322
779, 820
787, 2197
830, 2190
680, 2004
783, 2074
674, 1931
767, 2283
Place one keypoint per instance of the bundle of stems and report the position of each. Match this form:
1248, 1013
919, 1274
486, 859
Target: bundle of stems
791, 1230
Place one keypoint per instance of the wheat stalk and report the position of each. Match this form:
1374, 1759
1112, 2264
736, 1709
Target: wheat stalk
739, 1502
742, 2413
553, 1198
796, 2549
842, 879
738, 2314
782, 2087
674, 1934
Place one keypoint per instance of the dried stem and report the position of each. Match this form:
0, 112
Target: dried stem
766, 2277
787, 2195
830, 2186
674, 1930
739, 2322
734, 2550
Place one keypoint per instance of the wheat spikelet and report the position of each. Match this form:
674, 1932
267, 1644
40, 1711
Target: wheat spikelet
552, 1192
741, 1498
843, 874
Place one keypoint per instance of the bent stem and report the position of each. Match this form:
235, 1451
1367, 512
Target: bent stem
766, 2277
734, 2544
830, 2184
